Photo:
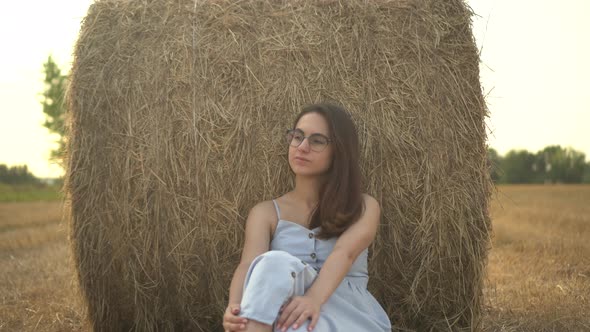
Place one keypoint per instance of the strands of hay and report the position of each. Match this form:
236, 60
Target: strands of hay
177, 112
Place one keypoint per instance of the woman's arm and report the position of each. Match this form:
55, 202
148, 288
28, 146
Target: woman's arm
237, 284
348, 247
256, 242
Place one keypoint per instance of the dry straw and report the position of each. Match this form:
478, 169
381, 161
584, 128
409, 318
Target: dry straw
177, 110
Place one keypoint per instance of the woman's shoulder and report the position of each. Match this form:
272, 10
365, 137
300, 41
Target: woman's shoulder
264, 211
371, 205
370, 200
264, 208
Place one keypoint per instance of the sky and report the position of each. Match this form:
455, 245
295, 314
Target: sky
534, 71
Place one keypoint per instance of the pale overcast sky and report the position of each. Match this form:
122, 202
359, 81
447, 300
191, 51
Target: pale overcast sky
534, 70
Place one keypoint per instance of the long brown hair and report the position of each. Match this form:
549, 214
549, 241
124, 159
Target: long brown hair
340, 198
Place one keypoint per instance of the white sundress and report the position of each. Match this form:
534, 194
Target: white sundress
290, 267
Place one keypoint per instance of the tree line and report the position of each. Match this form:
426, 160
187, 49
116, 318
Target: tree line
553, 164
17, 175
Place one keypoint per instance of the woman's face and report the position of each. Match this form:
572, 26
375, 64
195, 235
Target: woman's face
303, 159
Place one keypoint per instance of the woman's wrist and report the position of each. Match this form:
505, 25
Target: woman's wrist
316, 296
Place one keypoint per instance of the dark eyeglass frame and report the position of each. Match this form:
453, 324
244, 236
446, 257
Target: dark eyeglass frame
293, 131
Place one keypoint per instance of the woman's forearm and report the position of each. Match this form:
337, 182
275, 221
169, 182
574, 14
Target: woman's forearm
331, 275
237, 283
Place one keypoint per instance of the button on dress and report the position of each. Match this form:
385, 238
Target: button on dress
290, 267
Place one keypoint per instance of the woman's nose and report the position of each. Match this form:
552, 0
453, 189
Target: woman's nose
304, 146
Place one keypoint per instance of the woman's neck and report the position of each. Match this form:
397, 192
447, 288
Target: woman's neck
307, 190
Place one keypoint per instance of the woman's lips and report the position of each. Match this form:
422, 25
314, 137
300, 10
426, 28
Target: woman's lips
301, 159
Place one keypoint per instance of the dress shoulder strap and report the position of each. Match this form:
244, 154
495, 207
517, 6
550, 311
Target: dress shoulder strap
277, 208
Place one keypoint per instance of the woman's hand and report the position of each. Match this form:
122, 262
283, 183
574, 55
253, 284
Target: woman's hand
298, 311
231, 320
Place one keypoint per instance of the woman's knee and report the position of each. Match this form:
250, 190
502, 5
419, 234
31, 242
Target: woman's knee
277, 261
278, 255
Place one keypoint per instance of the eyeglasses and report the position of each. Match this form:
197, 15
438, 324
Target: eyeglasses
317, 142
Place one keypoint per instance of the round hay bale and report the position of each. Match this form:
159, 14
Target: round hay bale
177, 111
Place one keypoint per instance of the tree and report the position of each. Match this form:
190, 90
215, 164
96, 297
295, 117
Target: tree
54, 106
518, 167
559, 165
17, 175
494, 164
586, 178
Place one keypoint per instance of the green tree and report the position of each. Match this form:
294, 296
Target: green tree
576, 162
561, 165
17, 175
518, 167
494, 164
54, 106
586, 177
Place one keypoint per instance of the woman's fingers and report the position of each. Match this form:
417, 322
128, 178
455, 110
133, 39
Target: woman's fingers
285, 312
302, 318
233, 327
290, 320
231, 318
314, 320
231, 321
237, 320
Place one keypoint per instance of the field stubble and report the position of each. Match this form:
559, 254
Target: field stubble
37, 288
539, 265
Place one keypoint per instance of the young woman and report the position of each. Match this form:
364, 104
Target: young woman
304, 261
